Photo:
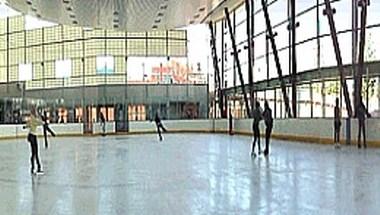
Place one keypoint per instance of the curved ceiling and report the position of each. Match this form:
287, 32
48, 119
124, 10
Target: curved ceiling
131, 15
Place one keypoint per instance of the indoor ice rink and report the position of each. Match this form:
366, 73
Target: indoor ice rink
189, 107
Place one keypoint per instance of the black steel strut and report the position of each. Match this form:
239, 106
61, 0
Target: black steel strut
236, 57
276, 58
329, 12
216, 67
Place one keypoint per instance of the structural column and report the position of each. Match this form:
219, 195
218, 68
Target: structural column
360, 71
237, 61
250, 50
292, 27
271, 36
329, 12
218, 80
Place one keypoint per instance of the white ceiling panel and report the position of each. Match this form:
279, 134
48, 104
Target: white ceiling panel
130, 15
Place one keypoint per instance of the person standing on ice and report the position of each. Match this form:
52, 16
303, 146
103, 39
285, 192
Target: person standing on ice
46, 128
361, 114
257, 117
32, 125
159, 125
103, 123
268, 119
337, 124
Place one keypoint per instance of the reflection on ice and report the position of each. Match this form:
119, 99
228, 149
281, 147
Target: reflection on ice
188, 174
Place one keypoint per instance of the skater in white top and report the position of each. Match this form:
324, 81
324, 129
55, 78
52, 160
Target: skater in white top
32, 125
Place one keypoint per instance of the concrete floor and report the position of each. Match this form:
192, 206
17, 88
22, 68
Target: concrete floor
187, 174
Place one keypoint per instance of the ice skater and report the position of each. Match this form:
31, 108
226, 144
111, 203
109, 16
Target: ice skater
257, 117
46, 129
32, 125
337, 124
361, 114
268, 119
159, 125
103, 123
230, 123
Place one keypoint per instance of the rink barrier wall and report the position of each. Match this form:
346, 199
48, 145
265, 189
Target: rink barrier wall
110, 128
302, 130
202, 126
312, 130
17, 131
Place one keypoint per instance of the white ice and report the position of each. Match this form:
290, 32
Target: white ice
187, 174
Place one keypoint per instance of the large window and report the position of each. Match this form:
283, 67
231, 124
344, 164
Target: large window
136, 112
92, 53
162, 70
25, 72
104, 65
63, 68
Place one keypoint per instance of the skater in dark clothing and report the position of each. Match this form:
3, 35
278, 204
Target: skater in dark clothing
268, 119
32, 124
361, 114
159, 125
257, 117
337, 124
230, 123
46, 129
103, 123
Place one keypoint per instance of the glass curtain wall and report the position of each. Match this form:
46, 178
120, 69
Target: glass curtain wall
56, 59
315, 54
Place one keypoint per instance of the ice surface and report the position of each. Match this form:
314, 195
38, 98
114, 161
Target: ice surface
187, 174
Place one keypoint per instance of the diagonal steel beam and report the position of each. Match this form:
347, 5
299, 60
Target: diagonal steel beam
359, 74
236, 57
293, 26
216, 67
250, 48
276, 58
329, 12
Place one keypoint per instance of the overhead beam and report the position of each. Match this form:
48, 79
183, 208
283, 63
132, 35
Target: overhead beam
237, 61
214, 55
359, 74
249, 48
330, 12
293, 26
276, 58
